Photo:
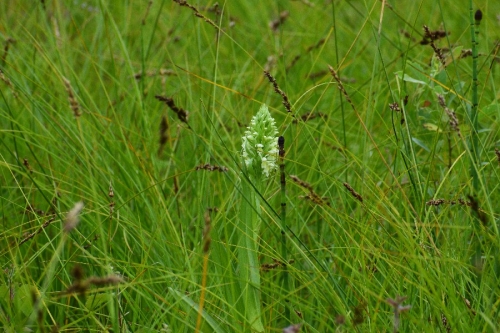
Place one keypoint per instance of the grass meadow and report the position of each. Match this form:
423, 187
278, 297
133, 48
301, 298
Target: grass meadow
121, 174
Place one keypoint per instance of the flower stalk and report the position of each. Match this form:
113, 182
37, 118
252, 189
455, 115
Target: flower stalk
259, 152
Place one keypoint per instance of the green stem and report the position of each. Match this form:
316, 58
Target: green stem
248, 255
475, 20
284, 252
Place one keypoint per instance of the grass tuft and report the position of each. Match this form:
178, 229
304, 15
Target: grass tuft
393, 195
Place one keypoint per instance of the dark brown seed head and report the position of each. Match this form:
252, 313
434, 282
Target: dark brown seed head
34, 296
281, 141
77, 272
206, 231
478, 16
340, 320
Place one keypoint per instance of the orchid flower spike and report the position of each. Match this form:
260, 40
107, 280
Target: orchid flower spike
260, 149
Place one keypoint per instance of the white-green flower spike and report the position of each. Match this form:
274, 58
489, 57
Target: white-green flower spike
260, 153
260, 150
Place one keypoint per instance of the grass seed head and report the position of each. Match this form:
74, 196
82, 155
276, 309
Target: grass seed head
163, 134
435, 202
210, 167
73, 103
353, 192
451, 115
73, 217
181, 113
277, 90
206, 231
6, 47
430, 37
275, 24
340, 85
445, 323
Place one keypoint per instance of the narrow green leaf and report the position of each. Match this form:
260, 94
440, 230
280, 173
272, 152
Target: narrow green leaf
408, 78
192, 304
420, 144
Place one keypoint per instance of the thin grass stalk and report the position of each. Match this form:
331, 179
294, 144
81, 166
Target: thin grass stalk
473, 143
475, 20
284, 252
342, 109
206, 248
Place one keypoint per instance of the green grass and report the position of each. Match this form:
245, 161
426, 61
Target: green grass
134, 263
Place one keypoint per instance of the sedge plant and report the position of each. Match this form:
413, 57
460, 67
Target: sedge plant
259, 152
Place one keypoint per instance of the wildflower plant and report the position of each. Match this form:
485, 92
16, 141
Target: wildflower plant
259, 152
